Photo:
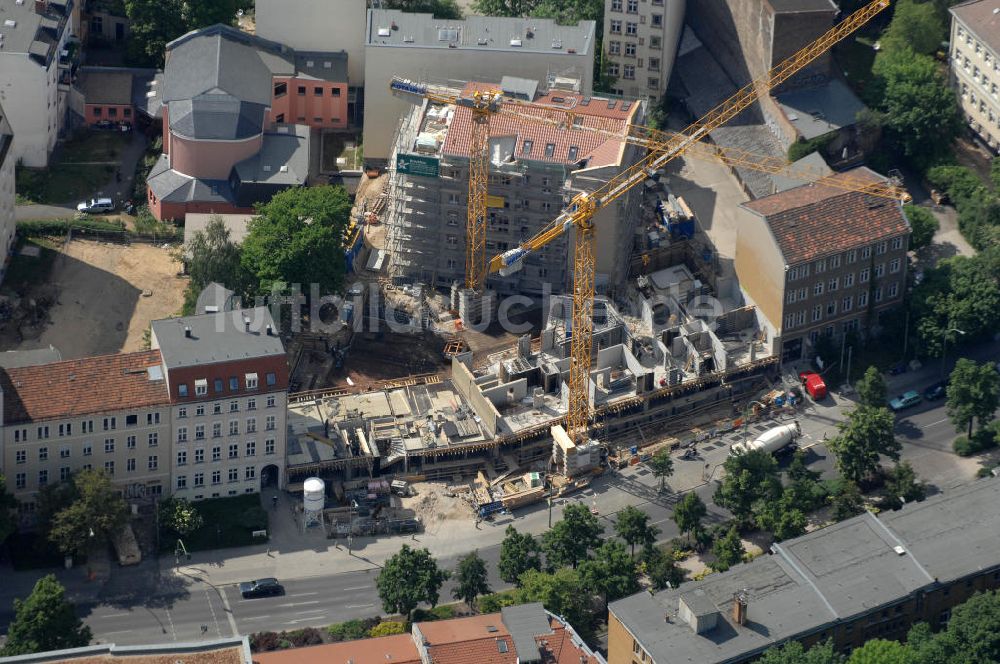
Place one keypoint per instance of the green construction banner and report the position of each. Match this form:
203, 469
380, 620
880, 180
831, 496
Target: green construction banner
412, 164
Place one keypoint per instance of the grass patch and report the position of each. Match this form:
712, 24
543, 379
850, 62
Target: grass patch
30, 551
26, 271
68, 180
342, 146
228, 522
94, 146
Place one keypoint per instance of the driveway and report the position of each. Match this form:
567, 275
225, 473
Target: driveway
31, 212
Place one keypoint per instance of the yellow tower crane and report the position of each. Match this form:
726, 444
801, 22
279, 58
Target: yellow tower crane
580, 212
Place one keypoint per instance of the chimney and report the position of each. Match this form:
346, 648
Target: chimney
246, 323
740, 601
187, 331
269, 330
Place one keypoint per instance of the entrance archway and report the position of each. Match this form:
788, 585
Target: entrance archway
270, 476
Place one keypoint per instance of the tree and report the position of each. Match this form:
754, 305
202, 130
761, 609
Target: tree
408, 578
783, 518
7, 519
98, 512
611, 571
901, 486
473, 580
793, 652
504, 7
847, 502
923, 224
562, 592
881, 651
52, 499
180, 516
916, 26
44, 621
728, 550
155, 23
864, 437
661, 569
298, 237
203, 14
750, 477
570, 540
804, 490
213, 257
973, 633
973, 394
662, 465
871, 388
448, 9
961, 292
518, 554
633, 527
688, 513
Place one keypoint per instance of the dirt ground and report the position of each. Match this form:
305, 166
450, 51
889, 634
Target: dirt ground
392, 356
105, 297
432, 504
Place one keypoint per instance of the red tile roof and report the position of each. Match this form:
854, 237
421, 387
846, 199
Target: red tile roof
598, 147
398, 649
464, 640
815, 220
80, 387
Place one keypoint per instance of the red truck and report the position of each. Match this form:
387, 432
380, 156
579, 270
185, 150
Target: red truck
813, 384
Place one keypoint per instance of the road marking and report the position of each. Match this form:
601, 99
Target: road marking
936, 423
121, 631
288, 606
302, 613
211, 608
229, 611
171, 621
111, 615
308, 594
358, 606
356, 588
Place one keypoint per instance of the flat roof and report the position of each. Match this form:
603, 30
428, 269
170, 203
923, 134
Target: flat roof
395, 28
796, 6
105, 87
13, 359
218, 337
818, 110
28, 34
236, 224
234, 650
978, 16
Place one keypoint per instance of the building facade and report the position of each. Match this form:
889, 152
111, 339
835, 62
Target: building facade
819, 260
7, 198
975, 67
641, 40
535, 171
35, 74
864, 578
479, 48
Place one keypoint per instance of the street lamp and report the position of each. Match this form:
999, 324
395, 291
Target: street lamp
944, 345
350, 527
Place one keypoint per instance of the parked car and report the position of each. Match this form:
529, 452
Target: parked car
905, 400
96, 206
936, 391
261, 588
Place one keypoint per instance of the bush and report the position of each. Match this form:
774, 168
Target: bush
307, 636
963, 446
982, 440
961, 183
59, 226
443, 612
264, 642
352, 629
387, 628
801, 149
924, 225
495, 601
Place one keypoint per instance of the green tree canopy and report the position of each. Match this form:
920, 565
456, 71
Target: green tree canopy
155, 23
847, 502
611, 571
179, 516
901, 484
661, 568
923, 224
98, 512
662, 465
961, 292
794, 653
439, 8
688, 514
8, 523
915, 25
570, 540
298, 237
973, 394
783, 518
881, 651
408, 578
44, 621
632, 525
864, 437
728, 550
213, 256
518, 553
472, 579
871, 388
973, 633
562, 592
750, 477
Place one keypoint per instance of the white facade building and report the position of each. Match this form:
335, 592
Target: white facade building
975, 66
640, 42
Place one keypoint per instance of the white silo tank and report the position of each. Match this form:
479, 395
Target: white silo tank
313, 494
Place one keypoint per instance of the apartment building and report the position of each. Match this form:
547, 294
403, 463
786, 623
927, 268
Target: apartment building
821, 260
478, 48
864, 578
35, 73
110, 412
535, 170
641, 40
227, 383
975, 66
7, 198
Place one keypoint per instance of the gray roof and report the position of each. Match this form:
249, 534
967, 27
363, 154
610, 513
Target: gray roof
147, 91
32, 33
14, 359
220, 337
525, 622
288, 151
819, 110
236, 224
811, 582
811, 164
216, 116
323, 66
978, 16
100, 86
214, 296
794, 6
392, 27
174, 187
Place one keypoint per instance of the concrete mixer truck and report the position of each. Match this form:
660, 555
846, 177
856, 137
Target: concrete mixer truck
773, 441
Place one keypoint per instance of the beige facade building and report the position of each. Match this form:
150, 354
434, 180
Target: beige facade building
821, 260
975, 66
640, 42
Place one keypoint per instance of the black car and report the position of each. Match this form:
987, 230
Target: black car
936, 391
261, 588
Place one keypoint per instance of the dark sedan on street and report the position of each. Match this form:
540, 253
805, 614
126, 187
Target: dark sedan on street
261, 588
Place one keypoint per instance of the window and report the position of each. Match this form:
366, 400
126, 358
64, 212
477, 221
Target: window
866, 253
632, 6
66, 429
153, 462
336, 93
182, 413
182, 434
614, 48
852, 256
835, 262
182, 458
629, 50
270, 401
880, 270
234, 384
831, 308
877, 296
110, 423
127, 112
109, 467
251, 404
821, 266
234, 428
833, 284
43, 478
201, 387
269, 423
234, 474
199, 432
216, 408
250, 472
790, 321
790, 298
653, 64
234, 451
251, 425
894, 266
216, 477
862, 300
451, 240
613, 69
616, 27
199, 410
109, 445
818, 288
154, 439
628, 72
64, 473
182, 481
616, 5
234, 406
656, 20
550, 149
893, 289
251, 448
864, 275
129, 442
848, 280
88, 449
847, 304
302, 91
280, 89
216, 429
98, 111
217, 385
182, 391
216, 453
152, 418
43, 454
199, 479
21, 456
817, 313
251, 381
573, 152
897, 242
881, 248
20, 480
199, 455
654, 41
631, 29
20, 435
318, 91
269, 446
